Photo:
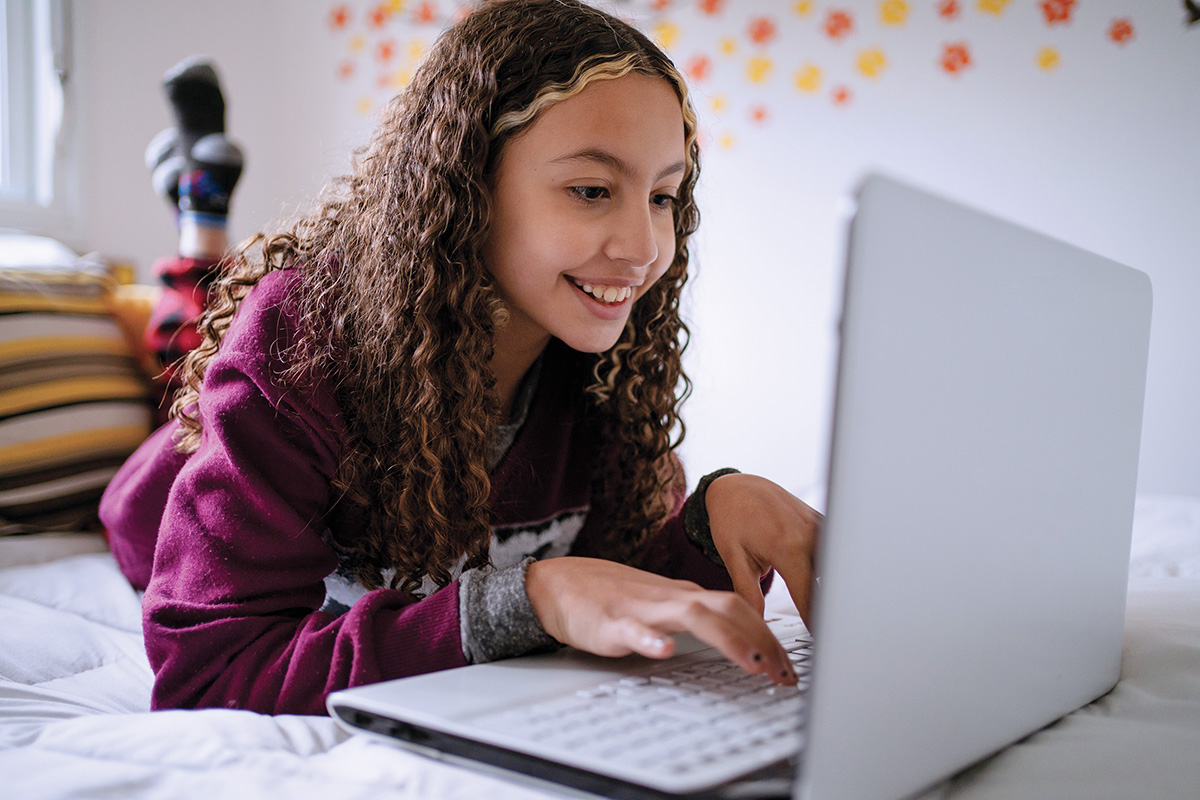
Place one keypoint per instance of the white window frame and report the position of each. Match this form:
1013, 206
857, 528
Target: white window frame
37, 189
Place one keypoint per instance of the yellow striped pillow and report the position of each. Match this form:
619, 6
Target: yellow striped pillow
74, 402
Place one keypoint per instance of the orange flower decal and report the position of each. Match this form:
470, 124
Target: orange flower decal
762, 30
339, 17
839, 24
955, 57
949, 9
841, 96
712, 7
377, 17
1121, 31
426, 12
346, 70
1058, 12
759, 114
699, 68
385, 50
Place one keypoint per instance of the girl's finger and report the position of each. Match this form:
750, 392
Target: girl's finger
745, 582
798, 578
724, 621
644, 640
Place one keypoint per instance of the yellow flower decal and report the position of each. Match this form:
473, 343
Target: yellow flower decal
759, 69
728, 45
802, 7
893, 12
357, 44
666, 34
872, 62
416, 50
717, 103
808, 78
727, 141
995, 7
393, 6
1048, 58
364, 105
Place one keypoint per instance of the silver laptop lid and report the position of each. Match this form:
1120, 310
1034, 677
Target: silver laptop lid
986, 437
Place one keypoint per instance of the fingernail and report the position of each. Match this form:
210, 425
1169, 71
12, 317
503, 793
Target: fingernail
654, 642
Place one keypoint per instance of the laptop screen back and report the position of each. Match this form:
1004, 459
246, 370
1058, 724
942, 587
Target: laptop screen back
986, 437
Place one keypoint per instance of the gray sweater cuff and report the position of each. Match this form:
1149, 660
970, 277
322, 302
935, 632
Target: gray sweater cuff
695, 517
496, 619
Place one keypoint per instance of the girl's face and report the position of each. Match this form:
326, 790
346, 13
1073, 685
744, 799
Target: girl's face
582, 222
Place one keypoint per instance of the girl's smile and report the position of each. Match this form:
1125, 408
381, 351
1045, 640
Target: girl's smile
607, 300
583, 216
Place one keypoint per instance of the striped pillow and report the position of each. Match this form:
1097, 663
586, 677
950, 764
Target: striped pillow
74, 402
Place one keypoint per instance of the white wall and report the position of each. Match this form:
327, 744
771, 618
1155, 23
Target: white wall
1099, 152
281, 106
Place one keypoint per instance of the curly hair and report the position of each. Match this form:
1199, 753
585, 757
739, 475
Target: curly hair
398, 310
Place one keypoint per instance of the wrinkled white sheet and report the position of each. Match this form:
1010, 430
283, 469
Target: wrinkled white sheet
75, 687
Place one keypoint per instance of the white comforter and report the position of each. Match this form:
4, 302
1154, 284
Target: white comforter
75, 687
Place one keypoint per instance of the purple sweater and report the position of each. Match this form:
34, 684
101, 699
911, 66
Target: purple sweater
230, 542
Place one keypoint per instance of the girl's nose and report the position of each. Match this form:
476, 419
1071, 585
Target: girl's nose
632, 239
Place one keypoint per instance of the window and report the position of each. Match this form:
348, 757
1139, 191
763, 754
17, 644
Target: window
33, 73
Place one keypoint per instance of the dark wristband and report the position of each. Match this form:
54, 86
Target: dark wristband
695, 517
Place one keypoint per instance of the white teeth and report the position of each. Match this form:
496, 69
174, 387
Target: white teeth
607, 294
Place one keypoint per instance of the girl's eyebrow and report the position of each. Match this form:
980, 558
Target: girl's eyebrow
614, 163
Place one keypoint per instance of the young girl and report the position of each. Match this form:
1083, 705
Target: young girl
430, 424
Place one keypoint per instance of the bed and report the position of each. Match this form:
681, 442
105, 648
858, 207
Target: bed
75, 689
75, 683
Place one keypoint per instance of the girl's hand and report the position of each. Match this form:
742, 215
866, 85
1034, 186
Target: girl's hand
757, 525
611, 609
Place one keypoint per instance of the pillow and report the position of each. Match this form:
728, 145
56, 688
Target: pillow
74, 401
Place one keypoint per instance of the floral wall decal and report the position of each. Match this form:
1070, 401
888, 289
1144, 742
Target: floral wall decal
749, 60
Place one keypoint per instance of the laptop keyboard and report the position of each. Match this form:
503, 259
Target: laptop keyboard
703, 715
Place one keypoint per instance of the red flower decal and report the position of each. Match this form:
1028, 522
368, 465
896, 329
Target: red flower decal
426, 12
346, 70
1121, 31
660, 5
699, 68
339, 17
712, 7
385, 50
839, 24
378, 17
759, 114
949, 9
841, 96
1058, 12
955, 57
762, 30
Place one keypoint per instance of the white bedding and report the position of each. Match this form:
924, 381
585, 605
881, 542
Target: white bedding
75, 687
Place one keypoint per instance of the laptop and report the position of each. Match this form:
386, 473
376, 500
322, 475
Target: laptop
973, 562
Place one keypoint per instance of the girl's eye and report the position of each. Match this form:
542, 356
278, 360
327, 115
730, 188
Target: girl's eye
590, 193
663, 200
